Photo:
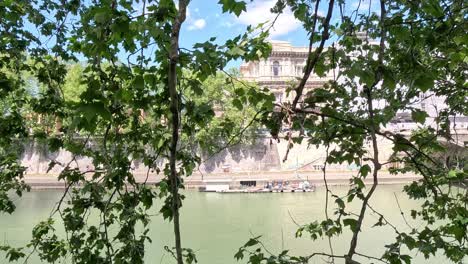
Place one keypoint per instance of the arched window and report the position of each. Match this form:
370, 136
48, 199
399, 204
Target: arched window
276, 68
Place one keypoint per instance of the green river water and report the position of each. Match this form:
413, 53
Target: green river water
216, 225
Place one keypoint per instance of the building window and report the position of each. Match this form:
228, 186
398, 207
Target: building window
248, 183
299, 70
422, 97
276, 68
318, 167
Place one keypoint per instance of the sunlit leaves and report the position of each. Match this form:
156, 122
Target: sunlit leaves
114, 111
418, 61
233, 6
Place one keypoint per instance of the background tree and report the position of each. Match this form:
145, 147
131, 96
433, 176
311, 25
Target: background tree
236, 118
73, 84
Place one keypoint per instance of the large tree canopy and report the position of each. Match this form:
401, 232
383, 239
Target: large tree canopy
112, 84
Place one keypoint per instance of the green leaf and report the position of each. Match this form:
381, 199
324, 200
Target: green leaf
359, 182
433, 8
239, 255
364, 170
90, 111
139, 82
406, 258
252, 242
418, 116
238, 104
236, 51
233, 6
52, 164
12, 254
352, 223
424, 83
340, 203
101, 17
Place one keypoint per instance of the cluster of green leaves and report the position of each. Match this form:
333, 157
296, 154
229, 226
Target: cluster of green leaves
114, 112
256, 255
14, 40
405, 55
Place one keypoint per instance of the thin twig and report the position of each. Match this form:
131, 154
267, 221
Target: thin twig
401, 212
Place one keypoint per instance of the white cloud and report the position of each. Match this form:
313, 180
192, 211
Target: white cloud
197, 24
227, 24
259, 12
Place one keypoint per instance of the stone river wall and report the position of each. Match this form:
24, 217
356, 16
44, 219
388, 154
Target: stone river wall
264, 156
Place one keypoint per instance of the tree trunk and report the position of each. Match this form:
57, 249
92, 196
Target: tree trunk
174, 105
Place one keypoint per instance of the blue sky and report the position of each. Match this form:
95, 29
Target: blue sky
205, 19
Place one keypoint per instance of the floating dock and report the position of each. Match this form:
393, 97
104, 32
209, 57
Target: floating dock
266, 191
250, 186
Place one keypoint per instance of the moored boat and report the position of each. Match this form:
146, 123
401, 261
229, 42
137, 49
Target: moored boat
267, 190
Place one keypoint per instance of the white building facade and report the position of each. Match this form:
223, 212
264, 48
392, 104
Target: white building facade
283, 69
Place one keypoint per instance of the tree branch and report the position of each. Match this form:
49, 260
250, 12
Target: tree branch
373, 134
314, 57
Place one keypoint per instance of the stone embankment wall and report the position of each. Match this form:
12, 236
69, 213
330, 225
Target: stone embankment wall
265, 156
261, 162
261, 156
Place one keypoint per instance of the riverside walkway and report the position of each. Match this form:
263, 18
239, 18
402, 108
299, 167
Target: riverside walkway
46, 181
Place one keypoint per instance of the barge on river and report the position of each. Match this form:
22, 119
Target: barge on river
228, 186
267, 191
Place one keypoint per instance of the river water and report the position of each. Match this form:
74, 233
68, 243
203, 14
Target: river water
215, 225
